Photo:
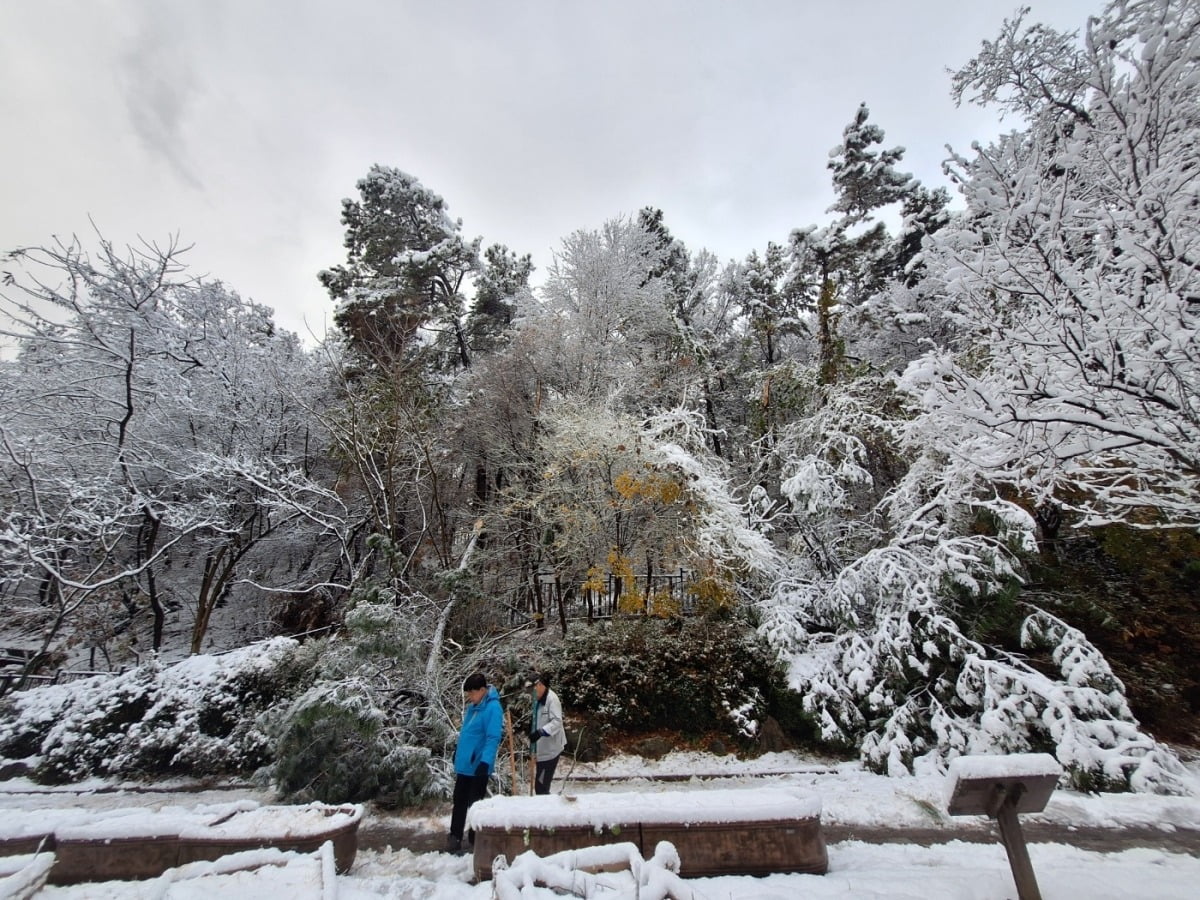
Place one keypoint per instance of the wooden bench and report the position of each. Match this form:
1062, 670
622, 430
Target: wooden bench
755, 831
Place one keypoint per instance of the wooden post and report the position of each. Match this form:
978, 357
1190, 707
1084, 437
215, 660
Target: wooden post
1014, 842
1001, 787
533, 741
512, 751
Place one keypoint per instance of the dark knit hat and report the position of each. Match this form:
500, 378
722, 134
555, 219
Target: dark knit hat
474, 682
543, 677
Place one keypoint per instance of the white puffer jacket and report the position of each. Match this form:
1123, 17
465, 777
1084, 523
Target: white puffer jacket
550, 721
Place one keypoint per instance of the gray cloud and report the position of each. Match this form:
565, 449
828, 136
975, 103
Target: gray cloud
159, 85
242, 123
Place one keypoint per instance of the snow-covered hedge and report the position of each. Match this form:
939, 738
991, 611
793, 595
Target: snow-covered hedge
198, 717
337, 720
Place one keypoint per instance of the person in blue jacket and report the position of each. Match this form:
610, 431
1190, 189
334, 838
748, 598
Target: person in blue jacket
475, 756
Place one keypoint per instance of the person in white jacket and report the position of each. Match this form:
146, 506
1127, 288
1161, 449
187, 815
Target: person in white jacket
547, 736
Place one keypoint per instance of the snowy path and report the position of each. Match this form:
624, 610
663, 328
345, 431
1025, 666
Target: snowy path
888, 838
868, 809
856, 806
380, 832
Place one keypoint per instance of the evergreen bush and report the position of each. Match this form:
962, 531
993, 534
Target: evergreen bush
693, 676
365, 729
337, 747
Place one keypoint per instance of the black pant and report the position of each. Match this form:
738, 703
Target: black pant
467, 789
544, 774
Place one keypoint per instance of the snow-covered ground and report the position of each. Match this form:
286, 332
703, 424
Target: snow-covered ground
1161, 860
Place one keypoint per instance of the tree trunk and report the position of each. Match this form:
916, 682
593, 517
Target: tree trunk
216, 575
562, 605
150, 525
439, 633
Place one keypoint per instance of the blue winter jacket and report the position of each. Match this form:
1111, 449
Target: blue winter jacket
479, 738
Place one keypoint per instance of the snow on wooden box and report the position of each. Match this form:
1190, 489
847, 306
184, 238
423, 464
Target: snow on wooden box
753, 831
302, 829
675, 807
128, 844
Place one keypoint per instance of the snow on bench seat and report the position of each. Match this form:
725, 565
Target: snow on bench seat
717, 832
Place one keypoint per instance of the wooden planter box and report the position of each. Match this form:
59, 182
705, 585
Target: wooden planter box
744, 848
22, 846
492, 842
114, 859
728, 832
107, 850
211, 843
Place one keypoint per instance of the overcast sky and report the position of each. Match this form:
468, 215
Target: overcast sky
241, 124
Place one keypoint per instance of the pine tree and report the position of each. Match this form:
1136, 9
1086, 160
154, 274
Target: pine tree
501, 282
406, 261
851, 261
865, 179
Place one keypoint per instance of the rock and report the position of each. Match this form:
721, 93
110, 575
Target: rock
771, 738
652, 748
586, 745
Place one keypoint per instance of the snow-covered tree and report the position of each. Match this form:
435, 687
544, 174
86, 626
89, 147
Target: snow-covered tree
701, 317
500, 285
774, 311
551, 421
1074, 273
842, 266
406, 262
152, 446
620, 495
1062, 303
894, 547
614, 315
865, 180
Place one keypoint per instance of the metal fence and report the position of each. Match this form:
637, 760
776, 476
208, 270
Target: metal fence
545, 597
549, 597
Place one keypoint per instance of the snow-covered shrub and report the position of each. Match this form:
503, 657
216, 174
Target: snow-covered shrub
914, 693
336, 746
197, 717
877, 637
366, 728
694, 676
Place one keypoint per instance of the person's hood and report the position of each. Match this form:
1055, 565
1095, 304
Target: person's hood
492, 694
